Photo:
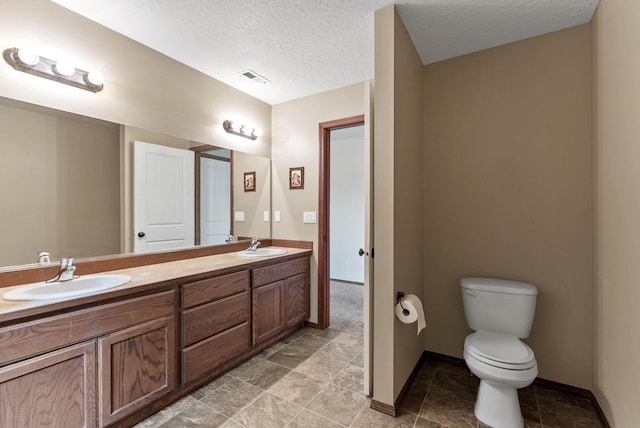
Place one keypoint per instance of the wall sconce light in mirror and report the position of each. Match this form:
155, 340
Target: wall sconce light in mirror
237, 128
59, 71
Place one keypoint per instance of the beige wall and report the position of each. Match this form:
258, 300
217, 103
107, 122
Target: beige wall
143, 88
617, 151
398, 213
295, 142
508, 191
59, 185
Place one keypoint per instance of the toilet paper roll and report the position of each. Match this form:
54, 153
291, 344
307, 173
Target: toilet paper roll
409, 310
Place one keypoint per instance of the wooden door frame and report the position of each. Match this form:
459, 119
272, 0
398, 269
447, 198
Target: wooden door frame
325, 129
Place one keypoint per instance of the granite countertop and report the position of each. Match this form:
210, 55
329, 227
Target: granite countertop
143, 278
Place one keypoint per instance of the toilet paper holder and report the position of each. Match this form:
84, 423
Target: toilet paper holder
399, 297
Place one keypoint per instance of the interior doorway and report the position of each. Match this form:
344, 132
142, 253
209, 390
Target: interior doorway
338, 197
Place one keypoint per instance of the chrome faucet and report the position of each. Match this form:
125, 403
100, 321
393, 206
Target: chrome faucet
66, 271
229, 239
254, 244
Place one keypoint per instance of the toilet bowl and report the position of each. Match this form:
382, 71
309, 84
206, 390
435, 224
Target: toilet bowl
503, 364
501, 312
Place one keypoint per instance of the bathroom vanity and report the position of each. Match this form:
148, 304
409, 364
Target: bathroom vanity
116, 357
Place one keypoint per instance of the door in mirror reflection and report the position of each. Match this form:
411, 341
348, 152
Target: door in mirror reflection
215, 200
163, 198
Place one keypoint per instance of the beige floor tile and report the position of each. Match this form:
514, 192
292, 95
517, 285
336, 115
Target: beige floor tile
167, 413
340, 351
369, 418
268, 411
291, 356
196, 414
231, 397
447, 411
321, 366
210, 387
297, 388
264, 374
338, 404
351, 378
307, 419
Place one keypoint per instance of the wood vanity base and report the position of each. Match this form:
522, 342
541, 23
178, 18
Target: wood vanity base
120, 357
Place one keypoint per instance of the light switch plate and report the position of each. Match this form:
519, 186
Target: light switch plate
309, 217
239, 216
265, 216
276, 216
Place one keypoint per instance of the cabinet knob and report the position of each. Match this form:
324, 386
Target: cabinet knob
141, 235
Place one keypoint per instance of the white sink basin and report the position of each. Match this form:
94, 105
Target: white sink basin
262, 252
58, 290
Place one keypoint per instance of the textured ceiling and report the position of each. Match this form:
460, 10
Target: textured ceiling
309, 46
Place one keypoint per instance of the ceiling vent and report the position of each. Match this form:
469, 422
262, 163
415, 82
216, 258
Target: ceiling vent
250, 74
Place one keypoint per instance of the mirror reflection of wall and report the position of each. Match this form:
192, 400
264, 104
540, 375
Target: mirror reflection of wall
254, 204
59, 185
66, 187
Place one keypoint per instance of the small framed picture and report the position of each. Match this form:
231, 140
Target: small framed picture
250, 181
296, 178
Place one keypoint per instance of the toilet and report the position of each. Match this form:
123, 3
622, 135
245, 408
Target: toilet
501, 313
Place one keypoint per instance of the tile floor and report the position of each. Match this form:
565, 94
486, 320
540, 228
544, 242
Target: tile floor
314, 378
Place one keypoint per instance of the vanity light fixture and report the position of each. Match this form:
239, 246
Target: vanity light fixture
237, 128
59, 71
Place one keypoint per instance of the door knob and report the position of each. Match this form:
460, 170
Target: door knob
140, 234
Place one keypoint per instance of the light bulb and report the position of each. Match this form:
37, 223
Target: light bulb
257, 132
64, 68
246, 130
95, 78
28, 57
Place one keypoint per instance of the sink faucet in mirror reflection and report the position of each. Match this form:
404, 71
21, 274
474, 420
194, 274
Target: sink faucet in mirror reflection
66, 271
44, 258
254, 244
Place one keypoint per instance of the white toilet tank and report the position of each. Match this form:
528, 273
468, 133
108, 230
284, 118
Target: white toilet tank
499, 305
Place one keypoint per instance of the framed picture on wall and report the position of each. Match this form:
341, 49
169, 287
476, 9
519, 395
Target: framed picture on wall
250, 181
296, 178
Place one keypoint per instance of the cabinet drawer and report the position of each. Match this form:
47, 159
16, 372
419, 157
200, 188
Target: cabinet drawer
205, 356
35, 337
206, 320
278, 271
206, 290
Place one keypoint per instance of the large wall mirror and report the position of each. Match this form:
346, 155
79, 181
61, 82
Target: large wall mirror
66, 186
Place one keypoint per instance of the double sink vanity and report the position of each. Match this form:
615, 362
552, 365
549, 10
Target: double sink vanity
113, 356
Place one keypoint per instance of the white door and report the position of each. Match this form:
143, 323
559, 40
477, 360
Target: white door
215, 201
163, 198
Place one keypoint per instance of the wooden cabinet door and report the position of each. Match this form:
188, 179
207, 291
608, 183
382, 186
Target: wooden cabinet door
136, 366
56, 389
268, 311
296, 299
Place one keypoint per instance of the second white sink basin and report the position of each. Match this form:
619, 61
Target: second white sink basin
58, 290
262, 252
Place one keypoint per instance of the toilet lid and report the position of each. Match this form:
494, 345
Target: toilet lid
499, 350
